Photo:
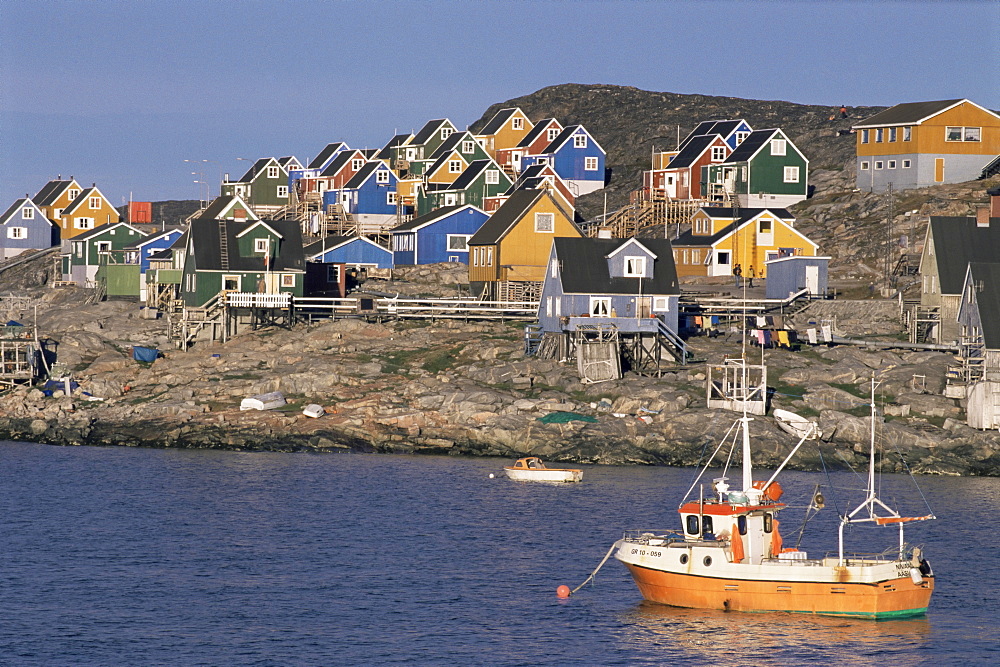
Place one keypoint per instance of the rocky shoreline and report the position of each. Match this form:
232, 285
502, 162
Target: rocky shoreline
468, 389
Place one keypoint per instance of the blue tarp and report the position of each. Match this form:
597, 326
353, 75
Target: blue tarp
147, 354
12, 323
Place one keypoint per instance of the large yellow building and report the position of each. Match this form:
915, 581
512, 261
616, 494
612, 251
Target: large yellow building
923, 143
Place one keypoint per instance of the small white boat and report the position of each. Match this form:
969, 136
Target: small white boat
531, 469
797, 425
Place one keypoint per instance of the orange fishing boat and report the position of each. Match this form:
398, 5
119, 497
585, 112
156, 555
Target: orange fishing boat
729, 553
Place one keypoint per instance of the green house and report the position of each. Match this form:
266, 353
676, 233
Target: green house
765, 171
264, 187
101, 246
256, 256
481, 179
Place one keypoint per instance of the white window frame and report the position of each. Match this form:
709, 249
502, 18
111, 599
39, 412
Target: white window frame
489, 256
554, 268
551, 134
878, 164
963, 133
357, 163
468, 147
288, 280
517, 123
548, 306
333, 274
463, 242
282, 191
600, 306
381, 176
879, 134
492, 177
237, 277
864, 136
907, 133
27, 213
590, 164
892, 134
778, 147
446, 132
83, 223
390, 198
865, 165
272, 172
262, 245
545, 223
73, 193
454, 166
450, 199
634, 266
94, 203
791, 174
542, 161
907, 164
718, 153
661, 304
579, 141
17, 232
740, 136
892, 164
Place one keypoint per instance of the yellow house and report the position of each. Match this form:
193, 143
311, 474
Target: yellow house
718, 242
90, 209
447, 168
917, 144
513, 245
55, 196
504, 130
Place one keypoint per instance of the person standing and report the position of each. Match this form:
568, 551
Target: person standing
843, 112
737, 272
750, 276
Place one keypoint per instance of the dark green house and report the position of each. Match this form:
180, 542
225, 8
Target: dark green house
264, 187
765, 171
481, 179
104, 245
257, 256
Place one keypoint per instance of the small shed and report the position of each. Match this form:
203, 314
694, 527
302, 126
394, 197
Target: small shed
789, 275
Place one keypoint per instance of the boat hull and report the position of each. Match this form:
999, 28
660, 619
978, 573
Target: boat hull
545, 475
889, 598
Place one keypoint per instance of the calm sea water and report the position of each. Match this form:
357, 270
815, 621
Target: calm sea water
133, 556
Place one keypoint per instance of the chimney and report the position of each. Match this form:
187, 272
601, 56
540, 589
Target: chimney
994, 202
982, 216
604, 233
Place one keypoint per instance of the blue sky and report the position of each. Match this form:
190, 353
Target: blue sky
122, 92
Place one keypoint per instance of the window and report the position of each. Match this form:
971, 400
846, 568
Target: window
764, 226
517, 123
27, 213
907, 133
580, 141
691, 524
545, 222
17, 232
687, 259
78, 249
661, 304
458, 242
282, 191
906, 164
865, 165
542, 161
345, 198
892, 164
231, 283
963, 134
73, 193
381, 176
454, 166
390, 198
878, 164
492, 177
892, 134
590, 164
718, 153
635, 267
94, 203
489, 256
356, 164
864, 136
333, 273
446, 132
740, 136
84, 223
56, 212
103, 246
272, 172
288, 280
554, 268
548, 306
777, 146
879, 133
552, 133
468, 146
559, 306
768, 523
261, 245
600, 306
475, 256
791, 174
722, 258
450, 199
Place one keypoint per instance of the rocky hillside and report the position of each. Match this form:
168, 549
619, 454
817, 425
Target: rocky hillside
630, 123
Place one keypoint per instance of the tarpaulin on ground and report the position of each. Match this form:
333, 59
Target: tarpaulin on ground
147, 354
563, 417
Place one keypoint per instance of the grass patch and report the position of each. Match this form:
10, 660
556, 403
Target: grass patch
442, 360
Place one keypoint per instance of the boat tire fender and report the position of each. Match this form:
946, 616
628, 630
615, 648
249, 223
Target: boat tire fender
915, 576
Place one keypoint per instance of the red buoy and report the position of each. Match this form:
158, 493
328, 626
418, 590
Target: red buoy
563, 591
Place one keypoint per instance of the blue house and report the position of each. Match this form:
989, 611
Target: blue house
793, 273
24, 226
152, 244
353, 251
439, 236
576, 157
733, 132
370, 197
317, 164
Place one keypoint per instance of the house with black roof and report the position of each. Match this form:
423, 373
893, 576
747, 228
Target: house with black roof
766, 169
576, 156
977, 379
916, 144
369, 197
441, 235
24, 226
533, 143
505, 130
264, 186
479, 180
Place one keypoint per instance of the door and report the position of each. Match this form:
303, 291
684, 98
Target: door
939, 170
812, 279
645, 306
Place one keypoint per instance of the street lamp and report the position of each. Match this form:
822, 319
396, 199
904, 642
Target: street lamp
200, 162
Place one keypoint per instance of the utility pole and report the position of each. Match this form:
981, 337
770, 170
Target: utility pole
888, 255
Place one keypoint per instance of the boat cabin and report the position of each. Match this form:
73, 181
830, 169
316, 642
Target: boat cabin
529, 463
